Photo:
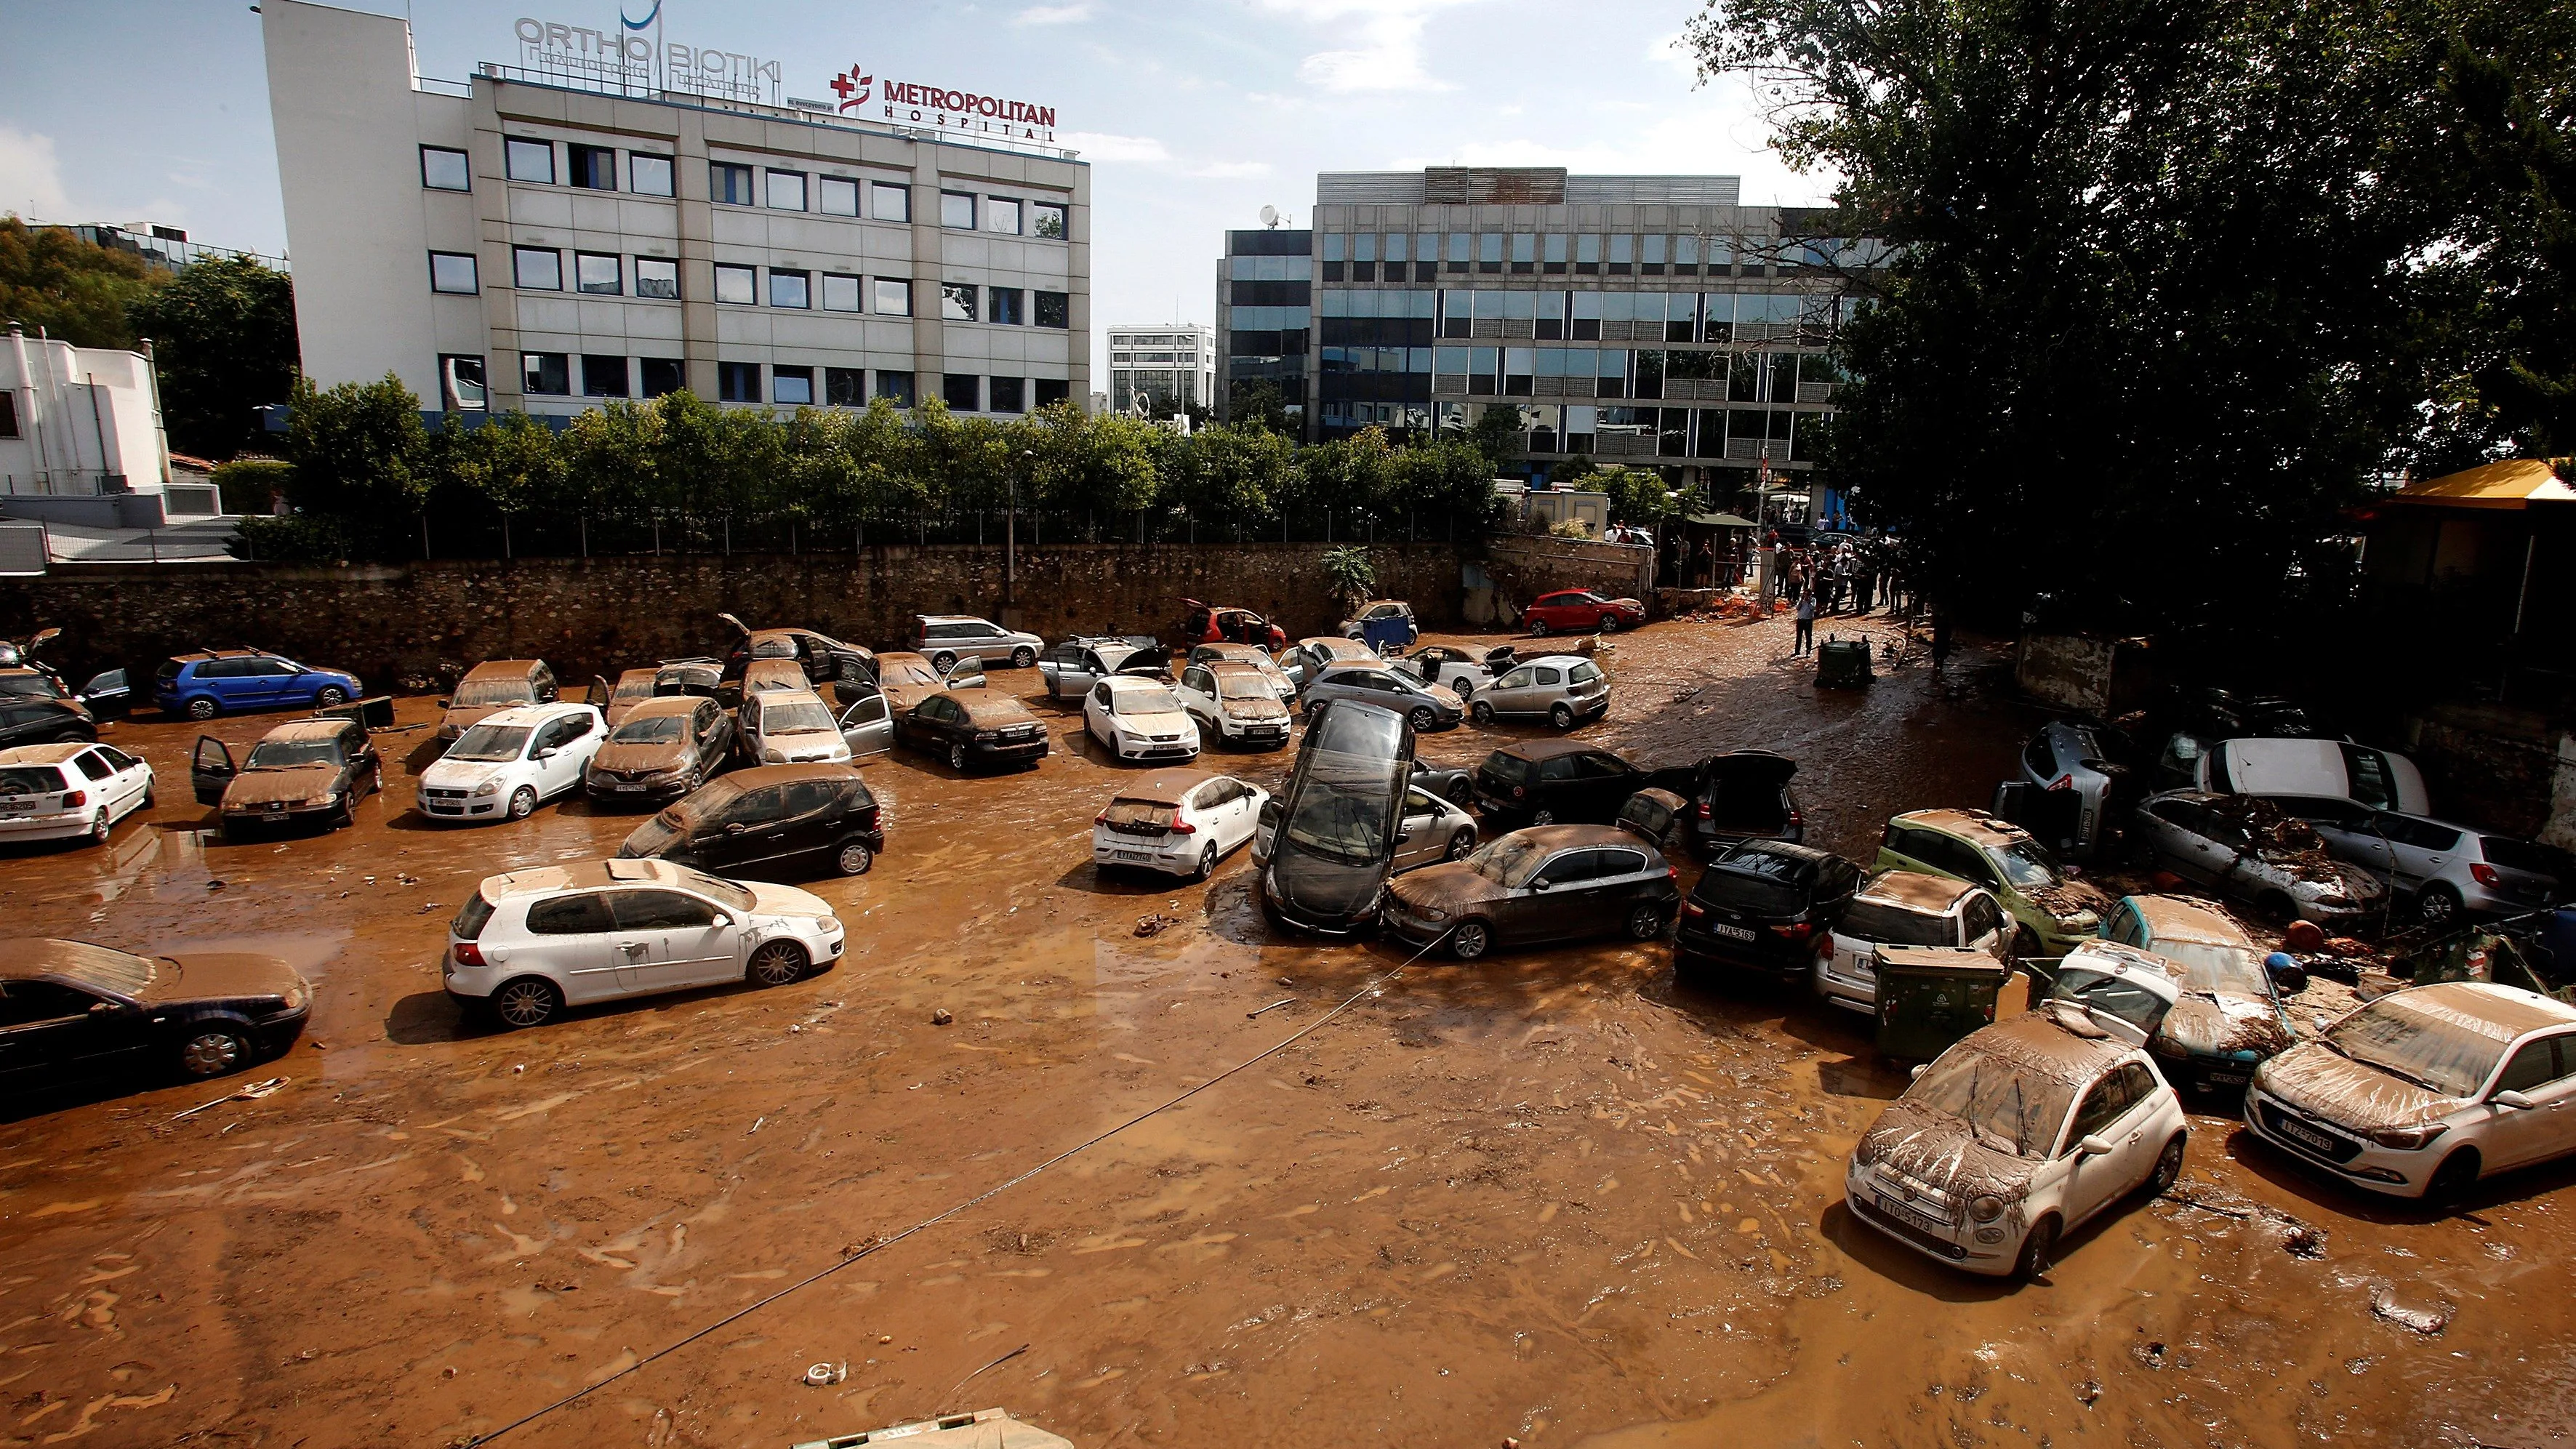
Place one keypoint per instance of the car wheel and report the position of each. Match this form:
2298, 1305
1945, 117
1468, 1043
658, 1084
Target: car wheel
1645, 923
147, 797
1461, 845
2450, 1183
1481, 712
98, 829
347, 813
1422, 719
1023, 657
1460, 792
2168, 1168
329, 695
853, 858
1562, 716
526, 1002
943, 661
1470, 940
1609, 624
214, 1051
1207, 863
1542, 816
2437, 905
2037, 1250
776, 963
203, 708
2277, 905
523, 803
957, 758
1538, 628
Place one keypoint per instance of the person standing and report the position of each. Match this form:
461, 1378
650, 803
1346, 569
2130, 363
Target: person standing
1806, 640
1940, 637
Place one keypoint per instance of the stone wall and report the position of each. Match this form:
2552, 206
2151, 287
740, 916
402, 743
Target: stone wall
1523, 566
413, 625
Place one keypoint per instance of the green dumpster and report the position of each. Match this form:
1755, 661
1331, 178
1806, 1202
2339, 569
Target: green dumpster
1930, 996
1842, 664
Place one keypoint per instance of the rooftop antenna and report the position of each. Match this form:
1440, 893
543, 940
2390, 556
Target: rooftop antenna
1271, 218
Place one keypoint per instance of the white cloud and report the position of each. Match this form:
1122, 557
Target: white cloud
1073, 14
1229, 170
1390, 56
31, 184
1102, 146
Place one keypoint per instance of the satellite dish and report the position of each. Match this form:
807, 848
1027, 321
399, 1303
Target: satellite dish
1270, 216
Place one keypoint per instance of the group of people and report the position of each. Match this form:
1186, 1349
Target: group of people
1840, 577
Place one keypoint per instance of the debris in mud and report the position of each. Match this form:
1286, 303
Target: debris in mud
941, 1017
1155, 923
2304, 1240
2426, 1319
2150, 1354
2088, 1392
823, 1373
214, 885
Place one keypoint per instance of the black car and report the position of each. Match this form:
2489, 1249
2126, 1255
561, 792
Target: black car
1326, 842
1766, 906
970, 727
71, 1010
27, 721
1744, 796
304, 771
1565, 782
761, 817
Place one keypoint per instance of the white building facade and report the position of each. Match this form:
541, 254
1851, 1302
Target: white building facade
545, 243
1170, 369
81, 439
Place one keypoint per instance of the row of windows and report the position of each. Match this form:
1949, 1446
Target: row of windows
1589, 254
1732, 433
1164, 357
604, 274
1782, 377
555, 374
1665, 316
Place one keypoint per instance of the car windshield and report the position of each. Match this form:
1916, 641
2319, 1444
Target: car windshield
2209, 966
723, 890
480, 692
632, 689
1353, 780
2025, 863
2009, 1109
652, 729
1144, 701
490, 743
290, 754
2446, 1051
2117, 995
694, 814
30, 686
1892, 925
30, 780
1243, 686
804, 716
101, 969
909, 673
1510, 861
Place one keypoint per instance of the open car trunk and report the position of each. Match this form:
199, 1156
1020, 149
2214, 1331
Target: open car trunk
1747, 792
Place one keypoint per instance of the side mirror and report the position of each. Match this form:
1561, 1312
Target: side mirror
1916, 1073
1540, 885
447, 703
2093, 1146
547, 753
2513, 1099
102, 1008
722, 920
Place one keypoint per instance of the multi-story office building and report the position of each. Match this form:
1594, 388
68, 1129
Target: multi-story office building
1169, 369
1650, 319
542, 240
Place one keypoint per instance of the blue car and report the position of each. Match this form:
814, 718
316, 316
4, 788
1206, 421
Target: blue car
234, 681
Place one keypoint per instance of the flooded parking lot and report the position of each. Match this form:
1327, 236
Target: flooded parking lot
1547, 1197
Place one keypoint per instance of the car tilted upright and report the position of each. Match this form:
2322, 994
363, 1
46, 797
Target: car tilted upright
69, 792
70, 1011
1546, 883
511, 761
307, 770
1327, 843
1178, 822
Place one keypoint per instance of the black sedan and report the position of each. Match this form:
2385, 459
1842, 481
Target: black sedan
71, 1010
1548, 883
25, 720
767, 817
1566, 782
971, 727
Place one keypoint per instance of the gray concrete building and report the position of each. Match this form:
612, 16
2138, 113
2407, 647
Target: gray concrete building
1170, 369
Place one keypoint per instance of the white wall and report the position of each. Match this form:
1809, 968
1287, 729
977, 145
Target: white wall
81, 412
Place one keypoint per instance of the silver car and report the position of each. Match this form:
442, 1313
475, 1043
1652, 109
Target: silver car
1309, 657
946, 638
867, 721
1072, 667
1424, 706
2446, 867
2247, 847
1564, 689
2075, 762
1433, 830
1462, 668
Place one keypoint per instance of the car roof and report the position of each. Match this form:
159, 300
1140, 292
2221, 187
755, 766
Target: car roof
1131, 682
1549, 749
1227, 668
773, 666
307, 729
503, 669
1562, 659
1564, 837
2501, 1012
902, 656
199, 656
982, 704
579, 875
770, 699
1805, 855
2174, 918
53, 754
666, 704
535, 714
1976, 825
2034, 1042
760, 775
1914, 891
624, 675
953, 619
1163, 787
1331, 641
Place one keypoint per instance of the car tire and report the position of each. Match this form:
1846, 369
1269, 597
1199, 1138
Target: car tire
2168, 1167
775, 963
1470, 940
1645, 923
1542, 816
1461, 845
1207, 863
346, 814
214, 1051
1609, 624
525, 1001
957, 758
1023, 657
943, 661
854, 857
147, 797
2277, 906
2038, 1250
2450, 1183
1481, 712
2437, 905
203, 708
1561, 716
329, 695
98, 829
1460, 792
1538, 628
1422, 719
523, 803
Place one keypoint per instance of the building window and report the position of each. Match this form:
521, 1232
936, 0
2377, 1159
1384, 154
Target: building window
599, 273
840, 293
593, 168
530, 160
1047, 220
547, 374
962, 391
664, 375
787, 191
1553, 255
1055, 309
1623, 255
1587, 255
603, 376
1524, 252
1489, 251
657, 277
460, 385
1457, 260
845, 387
957, 301
453, 272
536, 269
957, 209
442, 169
894, 297
729, 183
888, 201
895, 387
738, 382
1052, 390
648, 175
791, 386
736, 285
1006, 393
1002, 214
1006, 306
790, 289
838, 195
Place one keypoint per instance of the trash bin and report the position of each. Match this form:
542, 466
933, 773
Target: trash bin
1930, 996
1842, 664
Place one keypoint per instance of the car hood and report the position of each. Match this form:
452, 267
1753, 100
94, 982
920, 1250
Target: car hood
902, 697
1253, 709
1170, 722
785, 900
455, 774
1326, 890
1448, 697
2316, 1078
292, 786
2070, 899
2224, 1024
1938, 1151
1631, 605
1449, 886
629, 758
221, 975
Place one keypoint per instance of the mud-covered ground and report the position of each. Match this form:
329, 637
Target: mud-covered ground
1549, 1197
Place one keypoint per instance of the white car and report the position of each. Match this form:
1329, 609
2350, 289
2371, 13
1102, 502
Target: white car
527, 944
2012, 1139
790, 727
2423, 1091
68, 790
2377, 778
1179, 822
1905, 908
1140, 719
508, 763
1237, 703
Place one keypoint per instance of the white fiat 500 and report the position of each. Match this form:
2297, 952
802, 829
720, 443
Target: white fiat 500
2012, 1139
529, 943
1140, 719
509, 763
791, 727
1179, 822
68, 790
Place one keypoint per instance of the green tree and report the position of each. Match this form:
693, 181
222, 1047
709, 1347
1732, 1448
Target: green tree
2514, 259
1497, 433
1232, 473
76, 290
1349, 478
1350, 577
1259, 405
513, 463
612, 464
361, 456
1099, 467
223, 339
1446, 483
1637, 495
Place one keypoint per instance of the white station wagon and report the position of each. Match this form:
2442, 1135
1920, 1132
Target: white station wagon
508, 763
1179, 822
527, 944
69, 790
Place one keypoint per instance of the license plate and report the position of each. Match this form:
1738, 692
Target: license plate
1732, 933
2229, 1079
1907, 1212
275, 812
626, 787
1129, 854
2313, 1138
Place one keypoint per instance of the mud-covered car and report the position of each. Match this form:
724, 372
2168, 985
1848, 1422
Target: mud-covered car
1765, 907
972, 728
1312, 656
2230, 1015
491, 687
1327, 840
1544, 884
824, 659
69, 791
1071, 668
767, 817
945, 639
632, 688
789, 727
1905, 909
1745, 795
2080, 782
2017, 1135
2446, 868
1140, 719
26, 721
2249, 848
907, 679
1234, 704
697, 678
1658, 817
1226, 652
2423, 1091
666, 747
302, 772
773, 676
1449, 782
71, 1011
511, 761
1178, 822
1427, 706
1564, 782
2055, 911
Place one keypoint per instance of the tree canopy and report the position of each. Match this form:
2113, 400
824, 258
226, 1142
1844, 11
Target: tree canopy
53, 278
223, 335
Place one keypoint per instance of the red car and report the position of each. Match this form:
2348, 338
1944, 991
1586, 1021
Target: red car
1581, 611
1215, 624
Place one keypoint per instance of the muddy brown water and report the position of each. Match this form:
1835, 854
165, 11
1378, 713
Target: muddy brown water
1549, 1197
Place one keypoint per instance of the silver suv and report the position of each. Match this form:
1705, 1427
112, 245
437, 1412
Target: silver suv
1424, 706
2446, 868
944, 639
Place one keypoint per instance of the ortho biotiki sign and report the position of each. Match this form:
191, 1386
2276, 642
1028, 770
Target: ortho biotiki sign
922, 105
626, 58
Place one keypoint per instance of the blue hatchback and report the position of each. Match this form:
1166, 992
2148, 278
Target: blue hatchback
231, 681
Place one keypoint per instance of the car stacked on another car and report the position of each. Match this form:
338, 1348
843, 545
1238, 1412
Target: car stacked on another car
69, 791
697, 678
1546, 883
973, 727
492, 686
1581, 611
769, 816
1427, 707
944, 639
1140, 719
2247, 847
2055, 911
1564, 689
633, 688
1179, 822
511, 761
1905, 908
303, 771
70, 1010
790, 727
211, 682
1766, 908
774, 676
1327, 842
1234, 704
2230, 1014
666, 747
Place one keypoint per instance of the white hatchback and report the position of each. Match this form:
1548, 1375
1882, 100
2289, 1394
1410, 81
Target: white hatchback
507, 764
791, 727
69, 790
532, 942
1140, 719
1179, 822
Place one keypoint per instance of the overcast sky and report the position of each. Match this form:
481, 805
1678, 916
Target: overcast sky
1194, 115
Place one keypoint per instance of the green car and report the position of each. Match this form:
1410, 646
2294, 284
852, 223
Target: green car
2053, 912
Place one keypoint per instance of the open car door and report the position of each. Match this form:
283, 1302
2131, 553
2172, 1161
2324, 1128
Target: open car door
867, 724
966, 673
597, 695
210, 769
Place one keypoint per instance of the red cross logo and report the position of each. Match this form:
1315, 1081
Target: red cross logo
852, 86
